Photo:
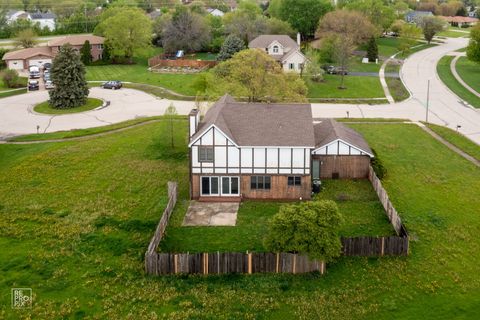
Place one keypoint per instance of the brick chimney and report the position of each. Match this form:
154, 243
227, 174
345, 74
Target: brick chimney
298, 38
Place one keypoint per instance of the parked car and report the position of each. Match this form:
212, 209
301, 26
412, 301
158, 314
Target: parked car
46, 76
34, 72
47, 66
33, 85
49, 85
335, 70
112, 85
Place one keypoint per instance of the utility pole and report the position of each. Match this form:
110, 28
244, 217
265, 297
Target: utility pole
85, 10
428, 99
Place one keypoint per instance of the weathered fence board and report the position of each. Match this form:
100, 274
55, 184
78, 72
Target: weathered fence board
230, 262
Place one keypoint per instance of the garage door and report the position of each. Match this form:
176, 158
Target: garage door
39, 62
15, 64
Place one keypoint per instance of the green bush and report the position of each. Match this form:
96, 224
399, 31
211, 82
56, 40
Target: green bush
310, 228
11, 79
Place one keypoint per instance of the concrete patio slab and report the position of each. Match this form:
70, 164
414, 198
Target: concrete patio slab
211, 214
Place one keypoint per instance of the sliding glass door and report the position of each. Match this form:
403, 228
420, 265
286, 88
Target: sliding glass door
220, 186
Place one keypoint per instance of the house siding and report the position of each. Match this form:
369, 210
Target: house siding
346, 166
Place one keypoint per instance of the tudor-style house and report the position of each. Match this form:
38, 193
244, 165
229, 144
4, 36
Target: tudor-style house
283, 49
268, 151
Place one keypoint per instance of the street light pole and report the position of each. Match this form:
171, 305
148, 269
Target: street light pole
428, 100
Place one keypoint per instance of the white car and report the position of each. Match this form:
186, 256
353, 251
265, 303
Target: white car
49, 85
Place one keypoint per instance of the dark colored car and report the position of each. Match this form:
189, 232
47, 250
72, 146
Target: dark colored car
114, 85
335, 70
33, 85
47, 66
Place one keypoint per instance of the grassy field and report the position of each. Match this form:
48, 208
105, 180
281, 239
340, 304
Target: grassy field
395, 85
180, 83
12, 93
357, 87
46, 108
76, 218
455, 32
457, 139
357, 202
469, 71
443, 70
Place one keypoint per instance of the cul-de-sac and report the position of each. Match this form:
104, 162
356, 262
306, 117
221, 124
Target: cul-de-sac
239, 159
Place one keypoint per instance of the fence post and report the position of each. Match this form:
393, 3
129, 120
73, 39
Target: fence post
383, 246
249, 256
294, 263
277, 262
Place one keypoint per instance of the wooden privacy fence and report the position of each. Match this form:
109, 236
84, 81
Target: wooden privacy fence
159, 61
162, 225
375, 246
390, 211
230, 262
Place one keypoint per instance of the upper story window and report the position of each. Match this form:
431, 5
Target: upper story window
205, 153
275, 49
295, 181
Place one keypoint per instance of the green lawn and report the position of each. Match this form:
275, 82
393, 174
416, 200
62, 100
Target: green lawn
12, 93
469, 71
357, 201
76, 218
455, 32
46, 108
457, 139
395, 85
357, 87
443, 70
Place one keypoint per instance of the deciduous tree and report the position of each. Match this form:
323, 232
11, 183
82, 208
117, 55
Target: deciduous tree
252, 73
26, 38
303, 15
186, 31
127, 30
68, 74
430, 26
473, 49
310, 228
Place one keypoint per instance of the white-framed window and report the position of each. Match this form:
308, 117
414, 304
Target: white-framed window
291, 66
205, 154
275, 49
224, 186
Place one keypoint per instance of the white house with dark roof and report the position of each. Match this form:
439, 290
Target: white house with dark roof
283, 49
265, 151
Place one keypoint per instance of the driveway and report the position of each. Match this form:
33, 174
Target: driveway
17, 118
445, 107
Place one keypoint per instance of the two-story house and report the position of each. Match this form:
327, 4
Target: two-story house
283, 49
268, 151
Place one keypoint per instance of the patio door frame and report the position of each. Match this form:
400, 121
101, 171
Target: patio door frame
220, 186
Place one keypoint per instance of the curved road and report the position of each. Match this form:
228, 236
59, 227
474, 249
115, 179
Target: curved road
445, 107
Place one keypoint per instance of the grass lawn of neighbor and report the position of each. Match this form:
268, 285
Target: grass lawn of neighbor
46, 108
357, 201
445, 74
76, 218
356, 87
457, 139
469, 71
395, 85
455, 32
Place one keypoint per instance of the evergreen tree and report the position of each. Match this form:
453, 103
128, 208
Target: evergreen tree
372, 50
231, 45
106, 53
86, 53
68, 75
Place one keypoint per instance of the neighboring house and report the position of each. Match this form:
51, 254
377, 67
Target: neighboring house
44, 20
268, 151
416, 16
14, 15
215, 12
459, 21
283, 49
22, 59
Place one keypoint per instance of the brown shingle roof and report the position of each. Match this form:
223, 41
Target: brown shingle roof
261, 124
265, 40
76, 40
330, 130
28, 53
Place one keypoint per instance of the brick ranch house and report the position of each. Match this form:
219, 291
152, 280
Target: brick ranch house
22, 59
268, 151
